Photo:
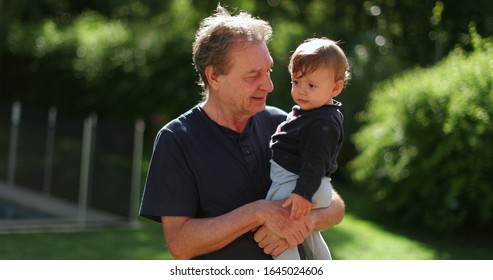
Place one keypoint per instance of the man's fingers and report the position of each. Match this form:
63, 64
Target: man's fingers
299, 237
268, 241
279, 249
264, 237
269, 249
260, 234
292, 240
295, 231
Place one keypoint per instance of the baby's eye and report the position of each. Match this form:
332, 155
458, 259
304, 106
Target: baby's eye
295, 82
312, 86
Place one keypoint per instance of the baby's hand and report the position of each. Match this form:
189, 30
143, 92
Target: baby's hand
300, 206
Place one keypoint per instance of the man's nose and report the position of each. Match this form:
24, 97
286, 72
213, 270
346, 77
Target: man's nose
267, 84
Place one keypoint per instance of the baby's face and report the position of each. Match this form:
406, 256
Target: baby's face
315, 89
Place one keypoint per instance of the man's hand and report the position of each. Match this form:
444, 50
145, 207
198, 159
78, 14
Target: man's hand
320, 219
272, 244
295, 231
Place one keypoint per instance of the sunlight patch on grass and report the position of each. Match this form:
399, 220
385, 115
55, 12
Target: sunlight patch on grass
356, 239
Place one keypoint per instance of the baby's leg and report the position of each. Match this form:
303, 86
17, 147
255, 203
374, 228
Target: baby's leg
316, 248
323, 196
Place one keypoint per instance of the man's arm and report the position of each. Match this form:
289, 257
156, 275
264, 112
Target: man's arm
188, 237
323, 218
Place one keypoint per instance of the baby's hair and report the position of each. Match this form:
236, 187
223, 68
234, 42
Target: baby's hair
319, 52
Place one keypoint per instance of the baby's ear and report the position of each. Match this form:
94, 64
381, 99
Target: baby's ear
337, 88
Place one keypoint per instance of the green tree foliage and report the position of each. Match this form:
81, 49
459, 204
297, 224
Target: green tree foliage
112, 64
425, 148
123, 58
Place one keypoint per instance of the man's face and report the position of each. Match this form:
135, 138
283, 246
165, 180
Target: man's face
245, 88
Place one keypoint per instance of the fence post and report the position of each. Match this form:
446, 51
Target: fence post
50, 143
85, 167
136, 170
14, 137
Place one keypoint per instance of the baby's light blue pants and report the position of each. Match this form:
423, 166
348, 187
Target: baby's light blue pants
283, 183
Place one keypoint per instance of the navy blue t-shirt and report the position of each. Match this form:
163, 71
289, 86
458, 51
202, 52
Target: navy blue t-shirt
201, 169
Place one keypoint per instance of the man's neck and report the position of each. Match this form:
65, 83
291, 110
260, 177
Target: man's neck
225, 117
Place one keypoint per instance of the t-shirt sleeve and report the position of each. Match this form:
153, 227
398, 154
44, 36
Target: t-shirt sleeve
170, 188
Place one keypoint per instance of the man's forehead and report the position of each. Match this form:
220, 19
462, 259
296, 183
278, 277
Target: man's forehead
252, 59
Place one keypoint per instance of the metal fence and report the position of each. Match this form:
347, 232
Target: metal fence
92, 166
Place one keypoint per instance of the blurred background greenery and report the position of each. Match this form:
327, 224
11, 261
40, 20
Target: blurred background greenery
420, 155
130, 58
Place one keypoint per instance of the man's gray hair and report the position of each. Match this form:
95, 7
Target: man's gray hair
218, 34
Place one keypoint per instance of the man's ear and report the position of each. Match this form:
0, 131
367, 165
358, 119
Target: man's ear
211, 77
338, 87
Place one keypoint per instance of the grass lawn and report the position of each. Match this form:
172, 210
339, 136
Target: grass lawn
364, 236
356, 238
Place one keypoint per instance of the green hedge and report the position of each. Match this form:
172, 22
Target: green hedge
425, 150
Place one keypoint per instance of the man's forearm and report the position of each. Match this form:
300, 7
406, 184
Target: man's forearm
188, 237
